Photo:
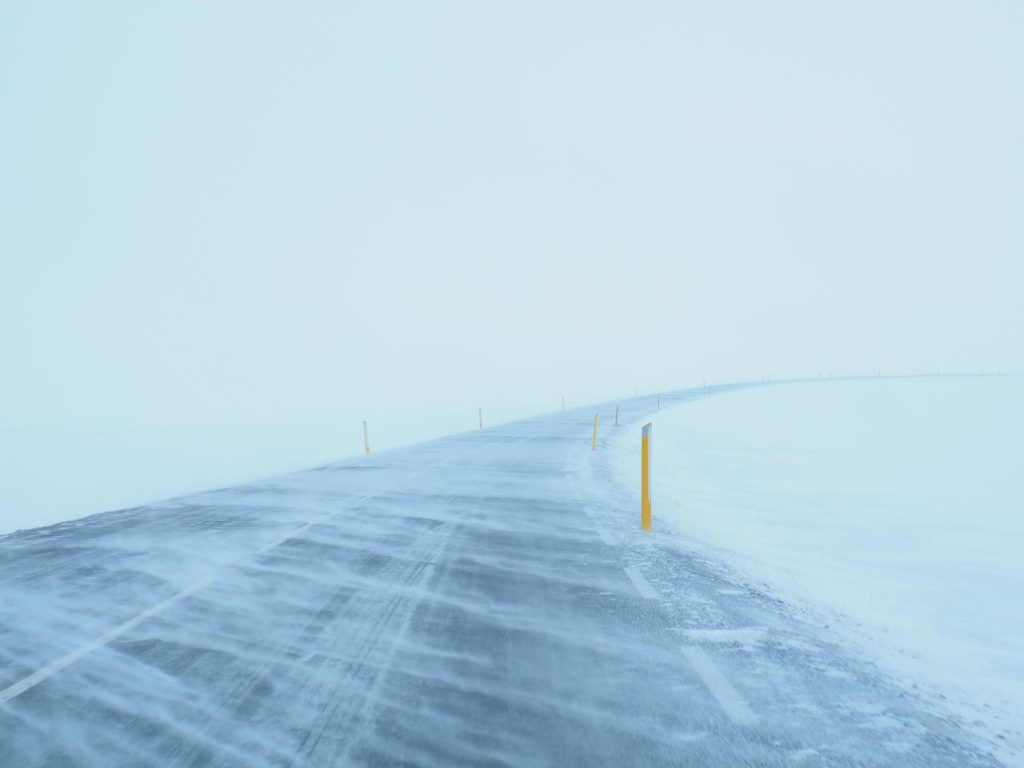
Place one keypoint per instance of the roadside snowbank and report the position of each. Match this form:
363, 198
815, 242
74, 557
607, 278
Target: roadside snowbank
894, 507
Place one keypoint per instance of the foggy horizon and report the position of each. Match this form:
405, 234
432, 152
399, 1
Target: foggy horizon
244, 214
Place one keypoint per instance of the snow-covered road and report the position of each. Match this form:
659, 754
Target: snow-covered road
485, 599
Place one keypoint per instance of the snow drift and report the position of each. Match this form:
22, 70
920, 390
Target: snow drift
893, 508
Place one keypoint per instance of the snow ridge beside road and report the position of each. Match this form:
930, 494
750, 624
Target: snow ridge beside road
893, 509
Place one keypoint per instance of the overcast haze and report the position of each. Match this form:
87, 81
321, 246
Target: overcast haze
326, 212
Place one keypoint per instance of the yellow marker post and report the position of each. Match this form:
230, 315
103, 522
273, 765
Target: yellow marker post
366, 438
645, 478
593, 444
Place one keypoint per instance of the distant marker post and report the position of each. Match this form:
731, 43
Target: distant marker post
366, 438
593, 443
480, 415
645, 478
616, 415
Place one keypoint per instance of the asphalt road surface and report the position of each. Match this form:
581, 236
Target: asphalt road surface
484, 599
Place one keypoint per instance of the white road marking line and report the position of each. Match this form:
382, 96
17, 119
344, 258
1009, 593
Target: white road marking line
728, 697
642, 585
605, 537
41, 674
68, 659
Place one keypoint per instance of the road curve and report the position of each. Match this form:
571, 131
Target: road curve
484, 599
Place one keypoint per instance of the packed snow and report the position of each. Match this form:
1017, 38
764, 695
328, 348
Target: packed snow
893, 509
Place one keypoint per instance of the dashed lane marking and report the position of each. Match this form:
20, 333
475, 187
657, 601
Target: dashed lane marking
605, 537
728, 698
642, 585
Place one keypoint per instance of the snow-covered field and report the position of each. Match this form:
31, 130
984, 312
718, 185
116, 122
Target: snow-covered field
49, 474
892, 508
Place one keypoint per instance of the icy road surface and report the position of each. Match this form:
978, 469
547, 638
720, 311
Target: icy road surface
484, 599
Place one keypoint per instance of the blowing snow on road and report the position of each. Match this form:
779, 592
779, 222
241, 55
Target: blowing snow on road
483, 599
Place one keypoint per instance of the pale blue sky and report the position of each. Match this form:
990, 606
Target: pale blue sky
311, 210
